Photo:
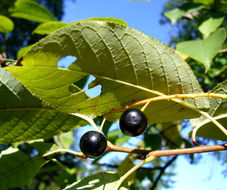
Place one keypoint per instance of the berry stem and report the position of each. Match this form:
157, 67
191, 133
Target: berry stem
131, 171
102, 124
170, 97
145, 106
80, 154
214, 120
88, 119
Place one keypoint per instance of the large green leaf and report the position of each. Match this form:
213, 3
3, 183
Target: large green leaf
31, 10
210, 25
100, 181
204, 50
128, 64
6, 24
218, 110
17, 167
23, 116
179, 12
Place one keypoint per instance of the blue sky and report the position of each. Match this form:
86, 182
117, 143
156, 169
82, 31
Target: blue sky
145, 16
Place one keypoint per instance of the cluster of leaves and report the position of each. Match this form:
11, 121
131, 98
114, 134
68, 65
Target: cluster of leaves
39, 99
200, 35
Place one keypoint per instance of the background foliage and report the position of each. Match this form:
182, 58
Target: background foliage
199, 25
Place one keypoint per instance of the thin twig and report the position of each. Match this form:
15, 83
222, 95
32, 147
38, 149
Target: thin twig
88, 119
222, 51
168, 97
171, 152
79, 154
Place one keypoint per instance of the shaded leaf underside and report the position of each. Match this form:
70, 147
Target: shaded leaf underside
218, 110
128, 64
23, 116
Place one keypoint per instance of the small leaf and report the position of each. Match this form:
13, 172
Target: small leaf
23, 51
100, 181
64, 140
218, 110
124, 168
171, 133
204, 50
17, 168
48, 27
127, 64
31, 10
206, 2
179, 12
6, 24
24, 117
210, 25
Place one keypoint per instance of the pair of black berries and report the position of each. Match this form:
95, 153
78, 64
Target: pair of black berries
133, 122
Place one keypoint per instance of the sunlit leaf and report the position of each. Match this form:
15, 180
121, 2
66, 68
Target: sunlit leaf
48, 27
129, 65
204, 50
204, 2
6, 24
179, 12
23, 51
100, 181
31, 10
218, 110
210, 25
125, 166
64, 140
23, 116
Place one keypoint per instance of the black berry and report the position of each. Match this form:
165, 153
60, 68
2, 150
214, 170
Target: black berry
93, 144
133, 122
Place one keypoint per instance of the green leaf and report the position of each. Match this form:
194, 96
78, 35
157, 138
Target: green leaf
23, 51
31, 10
125, 166
179, 12
171, 133
218, 110
206, 2
6, 24
100, 181
129, 65
17, 167
204, 50
64, 140
48, 27
107, 19
210, 25
23, 116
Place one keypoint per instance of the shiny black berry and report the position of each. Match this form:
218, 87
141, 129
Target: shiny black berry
133, 122
93, 144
